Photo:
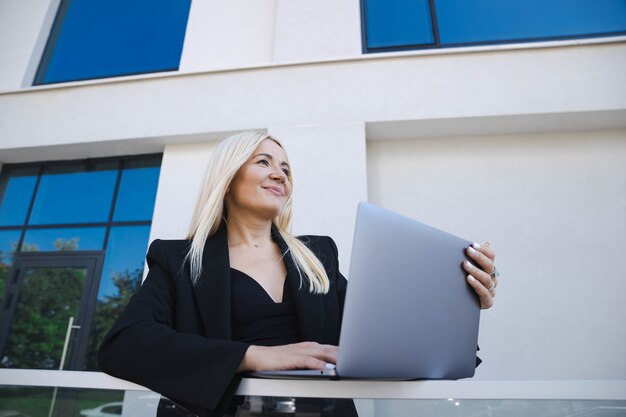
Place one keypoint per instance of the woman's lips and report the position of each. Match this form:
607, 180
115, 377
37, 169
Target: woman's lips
275, 190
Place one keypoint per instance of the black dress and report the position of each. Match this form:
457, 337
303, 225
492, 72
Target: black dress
257, 319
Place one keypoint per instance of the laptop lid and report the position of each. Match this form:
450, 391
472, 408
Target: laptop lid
409, 313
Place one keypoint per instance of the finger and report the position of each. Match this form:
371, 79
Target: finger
327, 353
484, 295
480, 259
485, 249
483, 277
309, 362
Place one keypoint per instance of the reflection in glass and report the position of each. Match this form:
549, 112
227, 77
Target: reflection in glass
8, 243
121, 276
16, 401
490, 408
398, 23
49, 296
97, 39
63, 240
16, 192
462, 21
65, 402
135, 198
75, 194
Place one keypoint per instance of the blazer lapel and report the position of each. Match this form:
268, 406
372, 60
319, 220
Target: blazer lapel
212, 291
309, 308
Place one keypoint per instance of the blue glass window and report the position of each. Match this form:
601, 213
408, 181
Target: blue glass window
16, 193
405, 24
66, 239
462, 21
398, 23
121, 277
135, 199
107, 38
78, 206
8, 245
75, 194
125, 254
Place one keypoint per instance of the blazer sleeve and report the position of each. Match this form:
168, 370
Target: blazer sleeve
340, 280
144, 348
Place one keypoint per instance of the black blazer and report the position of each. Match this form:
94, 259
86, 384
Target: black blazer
175, 338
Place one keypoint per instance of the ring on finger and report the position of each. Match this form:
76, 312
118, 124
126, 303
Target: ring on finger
495, 273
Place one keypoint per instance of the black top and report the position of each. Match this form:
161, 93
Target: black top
256, 318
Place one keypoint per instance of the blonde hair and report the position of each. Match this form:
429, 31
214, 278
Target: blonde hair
229, 156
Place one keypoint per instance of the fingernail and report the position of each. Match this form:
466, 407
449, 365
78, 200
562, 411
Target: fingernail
469, 264
476, 245
472, 250
471, 278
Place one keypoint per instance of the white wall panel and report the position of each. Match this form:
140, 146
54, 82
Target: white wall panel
24, 26
228, 34
579, 79
553, 206
317, 30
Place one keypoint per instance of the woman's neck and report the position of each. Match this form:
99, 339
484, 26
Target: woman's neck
248, 232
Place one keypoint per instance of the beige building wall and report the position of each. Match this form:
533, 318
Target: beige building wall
554, 207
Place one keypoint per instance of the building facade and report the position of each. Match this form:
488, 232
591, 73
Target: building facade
503, 123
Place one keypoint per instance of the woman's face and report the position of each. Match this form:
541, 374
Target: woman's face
262, 185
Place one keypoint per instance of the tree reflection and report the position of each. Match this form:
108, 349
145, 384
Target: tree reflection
108, 309
48, 298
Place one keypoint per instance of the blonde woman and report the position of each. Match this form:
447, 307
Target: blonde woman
240, 293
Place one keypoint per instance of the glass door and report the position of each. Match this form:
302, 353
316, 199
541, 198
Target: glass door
47, 310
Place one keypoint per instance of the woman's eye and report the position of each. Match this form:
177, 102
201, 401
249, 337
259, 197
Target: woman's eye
286, 171
263, 162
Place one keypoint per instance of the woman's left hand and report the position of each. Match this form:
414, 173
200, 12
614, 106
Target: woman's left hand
483, 276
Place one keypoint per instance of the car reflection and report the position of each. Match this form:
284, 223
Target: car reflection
145, 405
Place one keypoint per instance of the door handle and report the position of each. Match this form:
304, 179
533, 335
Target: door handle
70, 326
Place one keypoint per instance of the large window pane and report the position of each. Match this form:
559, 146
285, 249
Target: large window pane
8, 244
67, 239
121, 276
76, 194
392, 23
48, 297
463, 21
16, 193
135, 198
106, 38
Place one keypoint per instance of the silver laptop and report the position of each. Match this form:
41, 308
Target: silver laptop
409, 313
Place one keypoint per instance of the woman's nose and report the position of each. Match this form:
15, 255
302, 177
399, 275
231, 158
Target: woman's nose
279, 175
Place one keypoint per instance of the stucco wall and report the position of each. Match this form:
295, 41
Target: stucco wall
553, 206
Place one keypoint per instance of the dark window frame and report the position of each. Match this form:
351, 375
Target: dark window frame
92, 260
437, 41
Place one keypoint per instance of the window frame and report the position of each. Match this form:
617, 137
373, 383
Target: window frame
437, 40
49, 47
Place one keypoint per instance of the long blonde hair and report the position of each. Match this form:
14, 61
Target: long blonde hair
228, 157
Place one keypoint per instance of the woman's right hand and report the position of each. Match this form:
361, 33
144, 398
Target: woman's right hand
303, 355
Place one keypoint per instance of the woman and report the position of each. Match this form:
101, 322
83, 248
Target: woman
241, 293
